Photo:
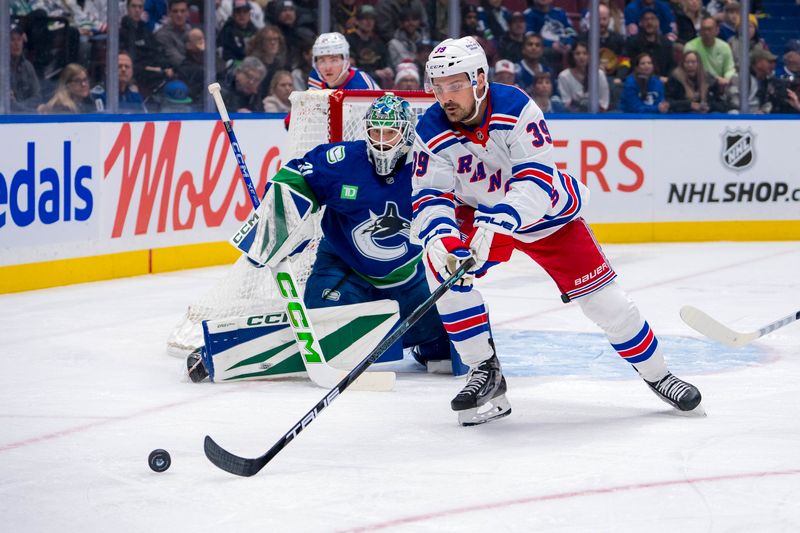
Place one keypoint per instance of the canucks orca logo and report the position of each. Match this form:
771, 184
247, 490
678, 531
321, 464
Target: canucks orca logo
383, 237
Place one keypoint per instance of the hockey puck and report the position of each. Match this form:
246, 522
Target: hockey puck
159, 460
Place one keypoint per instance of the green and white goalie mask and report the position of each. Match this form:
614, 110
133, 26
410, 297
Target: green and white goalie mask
283, 223
390, 125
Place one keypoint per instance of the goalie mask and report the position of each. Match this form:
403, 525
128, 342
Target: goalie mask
390, 132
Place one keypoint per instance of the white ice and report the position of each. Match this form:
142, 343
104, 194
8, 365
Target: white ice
87, 392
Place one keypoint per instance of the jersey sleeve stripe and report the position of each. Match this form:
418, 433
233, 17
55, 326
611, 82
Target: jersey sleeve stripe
314, 84
531, 164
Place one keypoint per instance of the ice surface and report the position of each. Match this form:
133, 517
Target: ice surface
87, 392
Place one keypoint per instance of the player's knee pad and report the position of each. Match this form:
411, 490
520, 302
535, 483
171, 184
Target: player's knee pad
612, 310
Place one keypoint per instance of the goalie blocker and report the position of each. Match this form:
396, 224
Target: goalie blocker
263, 346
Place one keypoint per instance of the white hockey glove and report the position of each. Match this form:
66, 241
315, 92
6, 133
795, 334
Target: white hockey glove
494, 227
481, 246
444, 255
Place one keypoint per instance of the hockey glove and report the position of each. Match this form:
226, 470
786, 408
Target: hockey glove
444, 256
491, 241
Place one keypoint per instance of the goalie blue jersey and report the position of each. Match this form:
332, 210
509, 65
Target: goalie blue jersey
367, 217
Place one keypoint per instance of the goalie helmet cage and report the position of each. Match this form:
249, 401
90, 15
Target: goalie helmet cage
317, 117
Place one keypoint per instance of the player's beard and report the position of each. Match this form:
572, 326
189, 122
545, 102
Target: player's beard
457, 113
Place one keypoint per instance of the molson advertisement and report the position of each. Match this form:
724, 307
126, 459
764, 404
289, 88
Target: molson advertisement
81, 201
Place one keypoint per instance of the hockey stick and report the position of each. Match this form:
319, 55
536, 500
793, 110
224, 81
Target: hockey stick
719, 332
318, 369
247, 467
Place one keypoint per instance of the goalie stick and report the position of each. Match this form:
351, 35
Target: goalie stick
711, 328
318, 369
247, 467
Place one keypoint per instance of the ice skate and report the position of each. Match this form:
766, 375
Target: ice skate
483, 398
195, 367
676, 392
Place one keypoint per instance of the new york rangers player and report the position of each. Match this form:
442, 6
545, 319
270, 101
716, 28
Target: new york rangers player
331, 59
484, 184
366, 253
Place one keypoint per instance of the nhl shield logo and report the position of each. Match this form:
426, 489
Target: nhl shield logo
738, 151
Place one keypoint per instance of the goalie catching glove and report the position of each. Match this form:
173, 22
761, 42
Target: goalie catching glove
283, 224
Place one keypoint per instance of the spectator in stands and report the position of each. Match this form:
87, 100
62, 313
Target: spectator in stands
610, 40
283, 14
72, 93
690, 89
403, 45
306, 14
236, 32
368, 51
240, 86
504, 72
407, 78
302, 69
648, 40
424, 49
531, 64
763, 90
616, 23
344, 14
493, 19
193, 69
542, 93
688, 16
510, 44
25, 91
269, 47
172, 36
755, 40
225, 10
389, 12
438, 13
149, 66
729, 23
89, 17
666, 19
555, 28
130, 101
643, 91
715, 53
176, 98
277, 101
573, 82
156, 14
791, 63
471, 26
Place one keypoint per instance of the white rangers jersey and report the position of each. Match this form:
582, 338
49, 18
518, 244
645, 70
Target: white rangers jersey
504, 169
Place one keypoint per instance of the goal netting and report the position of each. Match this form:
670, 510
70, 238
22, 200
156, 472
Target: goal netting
317, 117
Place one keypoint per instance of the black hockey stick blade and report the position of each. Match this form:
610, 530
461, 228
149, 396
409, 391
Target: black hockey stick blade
232, 463
245, 467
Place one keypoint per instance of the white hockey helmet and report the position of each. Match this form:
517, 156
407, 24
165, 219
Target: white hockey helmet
331, 44
456, 56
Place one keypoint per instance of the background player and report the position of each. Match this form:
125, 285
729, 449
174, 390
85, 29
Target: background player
484, 185
332, 70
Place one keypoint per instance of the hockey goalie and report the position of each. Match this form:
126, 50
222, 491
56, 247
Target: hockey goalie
367, 273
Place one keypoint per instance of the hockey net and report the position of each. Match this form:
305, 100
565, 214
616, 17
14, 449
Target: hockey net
317, 117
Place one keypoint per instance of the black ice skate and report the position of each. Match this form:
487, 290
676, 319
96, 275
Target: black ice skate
483, 398
195, 367
676, 392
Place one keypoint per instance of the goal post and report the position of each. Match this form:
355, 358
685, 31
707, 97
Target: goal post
317, 117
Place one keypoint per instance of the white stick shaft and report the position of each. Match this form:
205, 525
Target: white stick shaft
713, 329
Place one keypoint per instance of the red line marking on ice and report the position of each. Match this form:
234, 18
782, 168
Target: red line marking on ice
563, 496
101, 422
562, 307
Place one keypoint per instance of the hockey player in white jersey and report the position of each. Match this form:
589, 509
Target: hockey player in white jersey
484, 185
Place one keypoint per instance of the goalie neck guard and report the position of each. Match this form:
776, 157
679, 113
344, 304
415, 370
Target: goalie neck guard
458, 56
390, 132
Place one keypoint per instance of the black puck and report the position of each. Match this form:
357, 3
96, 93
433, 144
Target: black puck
159, 460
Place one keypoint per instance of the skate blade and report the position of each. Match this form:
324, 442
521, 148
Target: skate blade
491, 410
697, 412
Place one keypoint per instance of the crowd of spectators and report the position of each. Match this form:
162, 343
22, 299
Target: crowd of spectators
656, 56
